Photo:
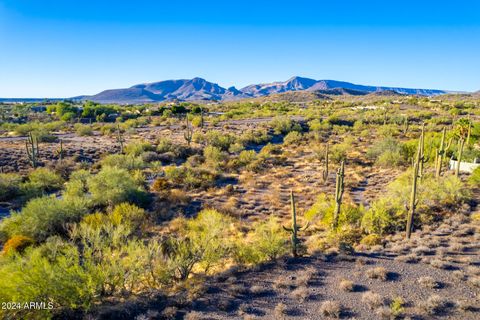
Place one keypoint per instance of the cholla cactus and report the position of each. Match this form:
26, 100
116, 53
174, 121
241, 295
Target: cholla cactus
295, 227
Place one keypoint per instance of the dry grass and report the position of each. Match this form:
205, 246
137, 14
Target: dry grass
169, 313
280, 310
305, 276
301, 294
258, 290
377, 273
475, 281
193, 315
422, 250
283, 282
372, 300
439, 264
409, 258
384, 313
473, 270
428, 282
459, 274
330, 309
347, 285
434, 305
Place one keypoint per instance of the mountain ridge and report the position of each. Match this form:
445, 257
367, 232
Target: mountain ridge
199, 89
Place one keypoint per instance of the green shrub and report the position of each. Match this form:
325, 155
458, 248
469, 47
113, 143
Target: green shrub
246, 157
114, 185
9, 185
386, 153
219, 139
164, 145
371, 240
266, 241
122, 161
293, 137
190, 178
213, 156
76, 186
385, 215
61, 282
254, 137
129, 215
136, 148
43, 217
45, 179
210, 230
283, 125
321, 212
83, 130
338, 152
317, 125
474, 179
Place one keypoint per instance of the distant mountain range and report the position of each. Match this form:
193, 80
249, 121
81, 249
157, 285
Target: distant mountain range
198, 89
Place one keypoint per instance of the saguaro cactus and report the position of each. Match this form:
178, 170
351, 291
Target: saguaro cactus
59, 152
202, 122
413, 195
441, 152
339, 188
31, 145
423, 159
295, 227
461, 143
469, 132
188, 135
120, 139
325, 167
405, 125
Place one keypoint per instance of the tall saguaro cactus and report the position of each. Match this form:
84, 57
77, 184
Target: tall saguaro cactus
469, 132
31, 145
120, 139
59, 152
413, 195
423, 159
405, 125
461, 143
325, 167
202, 122
295, 227
188, 135
339, 189
441, 152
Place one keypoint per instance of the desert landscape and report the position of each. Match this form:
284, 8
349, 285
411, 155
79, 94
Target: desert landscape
291, 205
218, 160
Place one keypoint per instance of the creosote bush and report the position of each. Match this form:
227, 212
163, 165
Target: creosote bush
43, 217
266, 241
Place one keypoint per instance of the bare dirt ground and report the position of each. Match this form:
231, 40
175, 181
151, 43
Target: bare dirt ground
443, 260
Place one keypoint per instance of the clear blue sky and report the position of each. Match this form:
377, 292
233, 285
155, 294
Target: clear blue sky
65, 48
